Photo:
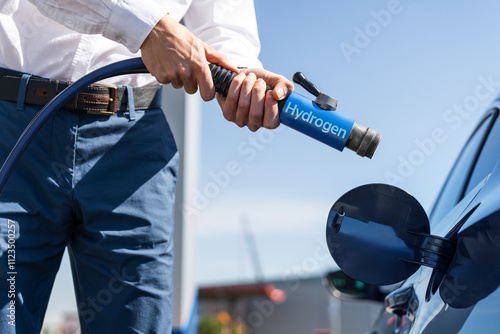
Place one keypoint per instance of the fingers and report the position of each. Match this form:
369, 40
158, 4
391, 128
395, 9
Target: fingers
282, 87
247, 103
205, 82
233, 95
173, 55
207, 89
244, 100
271, 119
256, 112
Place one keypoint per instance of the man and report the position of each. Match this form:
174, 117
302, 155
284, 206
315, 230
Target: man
100, 176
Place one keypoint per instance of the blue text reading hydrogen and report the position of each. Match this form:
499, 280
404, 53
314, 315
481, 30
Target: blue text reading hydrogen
307, 116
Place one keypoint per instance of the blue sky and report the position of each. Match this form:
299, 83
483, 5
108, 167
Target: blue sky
419, 72
421, 76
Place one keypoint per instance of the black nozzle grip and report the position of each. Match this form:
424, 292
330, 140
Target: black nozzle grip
223, 77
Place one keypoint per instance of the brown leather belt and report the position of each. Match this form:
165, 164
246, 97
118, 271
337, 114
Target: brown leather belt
94, 99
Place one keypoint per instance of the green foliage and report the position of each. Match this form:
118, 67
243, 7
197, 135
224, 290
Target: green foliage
209, 325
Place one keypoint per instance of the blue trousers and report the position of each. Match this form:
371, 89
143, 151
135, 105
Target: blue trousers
103, 186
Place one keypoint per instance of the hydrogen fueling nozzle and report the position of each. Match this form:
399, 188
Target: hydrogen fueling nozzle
317, 119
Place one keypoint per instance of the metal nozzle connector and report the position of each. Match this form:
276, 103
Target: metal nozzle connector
363, 140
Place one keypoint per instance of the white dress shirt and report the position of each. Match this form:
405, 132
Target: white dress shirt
65, 39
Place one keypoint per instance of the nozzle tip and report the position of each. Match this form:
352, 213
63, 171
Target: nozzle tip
362, 140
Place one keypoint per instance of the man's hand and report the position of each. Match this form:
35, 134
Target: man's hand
172, 54
247, 102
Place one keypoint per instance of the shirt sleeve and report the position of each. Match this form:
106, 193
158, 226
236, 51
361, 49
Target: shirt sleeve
127, 22
228, 26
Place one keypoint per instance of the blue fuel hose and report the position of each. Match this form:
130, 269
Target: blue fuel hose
128, 66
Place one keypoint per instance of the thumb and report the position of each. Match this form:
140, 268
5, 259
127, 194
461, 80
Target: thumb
280, 92
282, 87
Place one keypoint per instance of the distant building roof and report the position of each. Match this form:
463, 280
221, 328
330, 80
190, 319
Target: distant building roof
243, 290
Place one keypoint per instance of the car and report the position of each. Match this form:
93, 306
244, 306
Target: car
445, 266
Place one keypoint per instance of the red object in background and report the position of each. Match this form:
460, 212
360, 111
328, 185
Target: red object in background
322, 331
244, 290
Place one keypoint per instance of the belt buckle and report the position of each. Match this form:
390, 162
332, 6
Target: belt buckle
113, 100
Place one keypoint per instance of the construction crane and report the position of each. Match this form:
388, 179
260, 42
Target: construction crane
252, 248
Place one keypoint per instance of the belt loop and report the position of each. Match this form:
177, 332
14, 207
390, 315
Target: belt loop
21, 93
131, 104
